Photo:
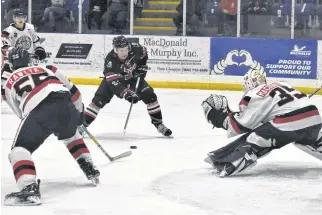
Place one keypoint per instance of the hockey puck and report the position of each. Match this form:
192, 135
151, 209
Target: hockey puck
133, 147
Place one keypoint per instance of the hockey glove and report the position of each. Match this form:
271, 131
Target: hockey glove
40, 53
216, 110
141, 70
131, 96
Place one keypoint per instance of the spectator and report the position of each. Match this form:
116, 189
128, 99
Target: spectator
38, 8
194, 16
96, 10
258, 6
227, 24
55, 11
11, 6
228, 15
116, 15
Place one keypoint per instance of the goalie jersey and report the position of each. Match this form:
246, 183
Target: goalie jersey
278, 103
25, 88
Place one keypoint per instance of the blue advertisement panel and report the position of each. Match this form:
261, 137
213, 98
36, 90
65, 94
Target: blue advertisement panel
282, 58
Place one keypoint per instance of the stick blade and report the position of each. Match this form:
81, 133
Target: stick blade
123, 155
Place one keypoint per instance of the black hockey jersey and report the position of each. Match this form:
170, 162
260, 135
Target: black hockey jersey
118, 73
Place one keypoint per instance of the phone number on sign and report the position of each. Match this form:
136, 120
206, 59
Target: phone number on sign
194, 70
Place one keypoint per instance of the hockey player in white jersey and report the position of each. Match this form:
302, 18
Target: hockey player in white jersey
270, 117
20, 34
47, 103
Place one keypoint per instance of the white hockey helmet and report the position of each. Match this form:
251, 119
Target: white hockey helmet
253, 78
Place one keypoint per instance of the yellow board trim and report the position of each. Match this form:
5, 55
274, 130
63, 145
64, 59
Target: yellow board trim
159, 11
162, 28
155, 19
187, 85
165, 2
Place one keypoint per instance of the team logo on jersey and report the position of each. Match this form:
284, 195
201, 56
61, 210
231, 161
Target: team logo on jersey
24, 42
247, 60
109, 64
15, 35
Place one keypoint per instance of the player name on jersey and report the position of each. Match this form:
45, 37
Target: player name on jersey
17, 75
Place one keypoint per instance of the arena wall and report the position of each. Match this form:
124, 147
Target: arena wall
193, 62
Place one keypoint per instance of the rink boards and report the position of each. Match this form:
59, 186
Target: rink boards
193, 62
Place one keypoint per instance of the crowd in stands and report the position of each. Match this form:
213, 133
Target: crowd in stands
204, 17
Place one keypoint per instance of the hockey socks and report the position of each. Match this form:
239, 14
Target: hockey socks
77, 147
81, 154
23, 167
154, 111
91, 113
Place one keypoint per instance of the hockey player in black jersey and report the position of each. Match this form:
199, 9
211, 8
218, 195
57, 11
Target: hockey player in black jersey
123, 65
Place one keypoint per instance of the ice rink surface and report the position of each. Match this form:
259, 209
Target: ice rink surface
164, 176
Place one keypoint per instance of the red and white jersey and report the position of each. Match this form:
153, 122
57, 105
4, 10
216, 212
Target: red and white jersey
27, 87
278, 103
26, 37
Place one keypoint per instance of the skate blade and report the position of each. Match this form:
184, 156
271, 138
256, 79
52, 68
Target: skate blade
168, 137
95, 181
31, 201
208, 160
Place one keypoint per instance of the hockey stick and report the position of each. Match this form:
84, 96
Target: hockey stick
123, 155
129, 113
317, 90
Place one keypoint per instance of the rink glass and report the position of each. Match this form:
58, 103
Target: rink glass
224, 18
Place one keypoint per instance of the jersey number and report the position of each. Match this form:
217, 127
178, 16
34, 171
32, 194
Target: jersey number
28, 83
286, 94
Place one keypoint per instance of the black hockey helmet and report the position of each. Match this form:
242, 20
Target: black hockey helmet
19, 58
120, 42
19, 12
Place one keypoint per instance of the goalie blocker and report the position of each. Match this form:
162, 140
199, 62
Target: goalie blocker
270, 117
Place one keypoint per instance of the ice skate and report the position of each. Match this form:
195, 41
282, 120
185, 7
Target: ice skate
28, 196
163, 129
89, 170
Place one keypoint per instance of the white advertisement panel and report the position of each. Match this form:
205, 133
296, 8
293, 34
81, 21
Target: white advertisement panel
177, 55
74, 51
319, 66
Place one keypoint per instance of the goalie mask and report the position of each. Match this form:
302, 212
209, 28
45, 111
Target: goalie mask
253, 78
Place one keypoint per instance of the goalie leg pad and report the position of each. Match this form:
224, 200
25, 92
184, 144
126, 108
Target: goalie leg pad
236, 156
233, 151
314, 149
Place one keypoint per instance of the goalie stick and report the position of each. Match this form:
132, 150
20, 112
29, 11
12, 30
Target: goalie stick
123, 155
317, 90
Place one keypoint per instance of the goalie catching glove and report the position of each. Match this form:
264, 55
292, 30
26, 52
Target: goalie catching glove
216, 110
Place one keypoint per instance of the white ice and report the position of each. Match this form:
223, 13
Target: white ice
164, 176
